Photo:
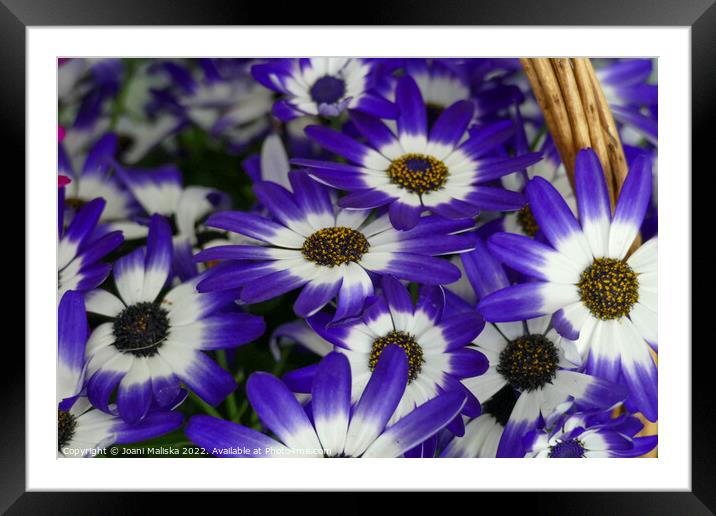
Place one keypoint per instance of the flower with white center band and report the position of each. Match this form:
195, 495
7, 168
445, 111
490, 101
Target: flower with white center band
440, 85
155, 341
220, 96
321, 86
417, 171
443, 82
532, 368
327, 251
96, 179
337, 427
436, 346
601, 296
81, 248
161, 191
595, 435
81, 430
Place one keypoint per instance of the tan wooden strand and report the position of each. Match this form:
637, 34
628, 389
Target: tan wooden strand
614, 144
561, 91
596, 131
573, 105
562, 131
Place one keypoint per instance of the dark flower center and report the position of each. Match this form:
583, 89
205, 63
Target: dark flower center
529, 362
141, 329
418, 173
335, 246
66, 424
571, 449
608, 288
408, 343
328, 90
501, 404
527, 221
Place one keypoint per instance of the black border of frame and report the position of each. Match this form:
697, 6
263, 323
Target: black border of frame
700, 15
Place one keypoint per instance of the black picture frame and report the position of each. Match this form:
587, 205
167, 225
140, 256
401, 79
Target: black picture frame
700, 15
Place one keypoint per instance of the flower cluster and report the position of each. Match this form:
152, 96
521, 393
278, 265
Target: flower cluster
344, 257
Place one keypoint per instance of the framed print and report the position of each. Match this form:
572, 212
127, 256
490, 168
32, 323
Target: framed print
425, 237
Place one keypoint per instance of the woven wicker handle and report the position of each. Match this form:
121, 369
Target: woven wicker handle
578, 116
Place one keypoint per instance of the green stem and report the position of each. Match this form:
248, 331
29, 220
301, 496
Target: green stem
205, 406
538, 137
118, 108
239, 377
281, 362
231, 399
242, 409
414, 291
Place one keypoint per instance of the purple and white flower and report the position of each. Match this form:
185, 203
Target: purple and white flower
324, 86
81, 247
532, 368
155, 341
93, 177
590, 436
436, 346
336, 427
161, 191
81, 430
327, 251
601, 296
417, 170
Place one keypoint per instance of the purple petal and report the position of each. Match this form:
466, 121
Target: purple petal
460, 329
134, 399
631, 207
365, 199
467, 362
398, 297
524, 418
311, 196
209, 381
421, 269
247, 224
484, 273
489, 169
413, 119
450, 126
338, 143
279, 202
71, 343
515, 303
405, 216
212, 433
279, 410
377, 134
421, 424
228, 330
314, 296
270, 286
494, 199
331, 401
158, 259
153, 425
379, 400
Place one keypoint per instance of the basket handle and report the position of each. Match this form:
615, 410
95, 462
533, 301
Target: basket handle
578, 116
